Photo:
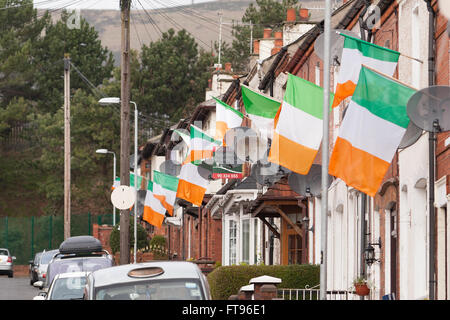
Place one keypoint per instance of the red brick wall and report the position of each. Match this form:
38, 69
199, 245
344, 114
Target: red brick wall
102, 233
442, 78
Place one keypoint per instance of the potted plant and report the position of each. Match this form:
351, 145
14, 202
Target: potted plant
361, 287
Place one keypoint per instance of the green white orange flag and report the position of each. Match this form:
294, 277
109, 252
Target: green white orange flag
116, 183
355, 53
371, 131
298, 126
192, 186
165, 189
202, 146
260, 108
154, 212
226, 118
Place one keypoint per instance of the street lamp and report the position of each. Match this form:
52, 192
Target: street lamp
369, 252
115, 100
105, 151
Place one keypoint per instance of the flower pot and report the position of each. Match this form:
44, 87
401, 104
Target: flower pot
362, 289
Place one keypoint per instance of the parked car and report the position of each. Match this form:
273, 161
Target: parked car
156, 280
34, 268
76, 254
6, 262
65, 286
45, 259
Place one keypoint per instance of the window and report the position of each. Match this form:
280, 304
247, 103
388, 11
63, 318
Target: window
233, 242
246, 241
295, 249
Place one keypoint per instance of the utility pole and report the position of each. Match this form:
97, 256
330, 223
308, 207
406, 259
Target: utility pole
125, 6
220, 36
66, 146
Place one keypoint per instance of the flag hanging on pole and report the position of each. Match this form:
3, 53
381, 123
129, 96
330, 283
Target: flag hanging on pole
192, 186
202, 146
116, 183
260, 108
154, 212
226, 118
165, 189
371, 131
357, 52
298, 126
139, 181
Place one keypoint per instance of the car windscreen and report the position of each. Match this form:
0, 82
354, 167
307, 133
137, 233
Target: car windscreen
4, 252
76, 265
68, 288
173, 289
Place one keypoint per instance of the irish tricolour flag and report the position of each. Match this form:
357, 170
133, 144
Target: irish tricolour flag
261, 109
192, 185
298, 126
371, 131
226, 118
165, 189
154, 212
357, 52
202, 146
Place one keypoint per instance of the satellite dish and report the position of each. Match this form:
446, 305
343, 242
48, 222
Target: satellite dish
226, 156
310, 184
337, 44
444, 8
429, 109
268, 173
205, 171
250, 146
123, 197
411, 136
170, 167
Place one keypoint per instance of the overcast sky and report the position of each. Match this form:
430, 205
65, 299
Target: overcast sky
109, 4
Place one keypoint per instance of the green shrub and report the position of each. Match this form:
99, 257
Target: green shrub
227, 280
158, 247
114, 238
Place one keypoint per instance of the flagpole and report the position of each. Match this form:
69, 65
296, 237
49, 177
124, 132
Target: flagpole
325, 143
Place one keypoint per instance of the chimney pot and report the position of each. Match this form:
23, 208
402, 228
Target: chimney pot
256, 46
267, 33
304, 14
228, 67
291, 15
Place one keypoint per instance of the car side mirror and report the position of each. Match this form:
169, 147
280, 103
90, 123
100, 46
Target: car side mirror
38, 284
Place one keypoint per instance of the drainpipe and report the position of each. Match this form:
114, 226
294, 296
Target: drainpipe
362, 266
431, 154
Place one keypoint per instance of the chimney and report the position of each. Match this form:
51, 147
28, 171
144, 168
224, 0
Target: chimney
210, 83
228, 67
267, 33
279, 39
304, 14
256, 46
275, 50
291, 15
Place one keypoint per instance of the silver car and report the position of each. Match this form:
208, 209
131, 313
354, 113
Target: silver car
45, 259
158, 280
65, 286
6, 262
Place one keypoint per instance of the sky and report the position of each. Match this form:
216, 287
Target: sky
108, 4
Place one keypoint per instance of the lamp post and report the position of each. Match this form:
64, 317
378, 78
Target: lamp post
108, 101
105, 151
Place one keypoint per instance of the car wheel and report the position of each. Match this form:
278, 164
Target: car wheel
31, 282
10, 275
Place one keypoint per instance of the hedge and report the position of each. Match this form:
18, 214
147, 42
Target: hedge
227, 280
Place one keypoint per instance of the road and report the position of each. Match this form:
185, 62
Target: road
17, 288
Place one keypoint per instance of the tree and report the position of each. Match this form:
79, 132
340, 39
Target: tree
142, 241
173, 76
20, 31
86, 52
266, 13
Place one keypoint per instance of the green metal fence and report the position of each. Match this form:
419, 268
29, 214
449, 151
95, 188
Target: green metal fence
25, 236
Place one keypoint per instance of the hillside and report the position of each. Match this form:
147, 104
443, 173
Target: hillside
201, 20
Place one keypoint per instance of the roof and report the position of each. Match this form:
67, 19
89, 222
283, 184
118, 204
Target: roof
172, 270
